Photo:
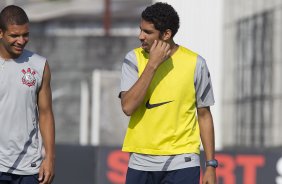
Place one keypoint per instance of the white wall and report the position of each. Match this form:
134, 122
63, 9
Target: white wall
201, 24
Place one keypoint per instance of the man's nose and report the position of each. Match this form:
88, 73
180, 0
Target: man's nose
141, 36
21, 40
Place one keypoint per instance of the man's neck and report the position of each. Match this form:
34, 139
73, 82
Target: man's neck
173, 47
5, 55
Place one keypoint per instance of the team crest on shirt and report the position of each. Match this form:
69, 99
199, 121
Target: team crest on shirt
28, 78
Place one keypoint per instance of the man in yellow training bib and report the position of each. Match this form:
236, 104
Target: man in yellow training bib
167, 91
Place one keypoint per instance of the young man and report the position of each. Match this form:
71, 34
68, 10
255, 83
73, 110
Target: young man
26, 117
167, 91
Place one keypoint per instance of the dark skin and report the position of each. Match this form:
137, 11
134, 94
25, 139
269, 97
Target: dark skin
160, 47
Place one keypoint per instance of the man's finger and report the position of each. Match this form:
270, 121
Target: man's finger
51, 179
40, 175
46, 178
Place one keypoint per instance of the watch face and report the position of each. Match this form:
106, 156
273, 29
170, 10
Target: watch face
212, 163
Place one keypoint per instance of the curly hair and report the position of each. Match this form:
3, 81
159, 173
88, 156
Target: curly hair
12, 15
163, 16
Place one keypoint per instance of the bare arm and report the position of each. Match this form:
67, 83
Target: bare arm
207, 137
47, 128
131, 99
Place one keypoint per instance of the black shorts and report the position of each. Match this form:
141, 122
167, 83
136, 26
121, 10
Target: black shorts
189, 175
7, 178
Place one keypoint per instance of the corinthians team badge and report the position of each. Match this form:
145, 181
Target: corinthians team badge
28, 78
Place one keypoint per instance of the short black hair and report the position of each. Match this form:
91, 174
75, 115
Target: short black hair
163, 16
12, 15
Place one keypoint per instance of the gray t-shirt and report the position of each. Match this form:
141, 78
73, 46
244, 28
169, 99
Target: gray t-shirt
204, 98
20, 139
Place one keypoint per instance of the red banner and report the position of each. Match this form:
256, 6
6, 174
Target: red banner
108, 165
234, 168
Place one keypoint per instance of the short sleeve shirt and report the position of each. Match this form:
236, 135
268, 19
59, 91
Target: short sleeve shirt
204, 98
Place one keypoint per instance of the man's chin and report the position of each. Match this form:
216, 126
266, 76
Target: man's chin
16, 54
145, 49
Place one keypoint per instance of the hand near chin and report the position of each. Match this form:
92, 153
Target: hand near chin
159, 52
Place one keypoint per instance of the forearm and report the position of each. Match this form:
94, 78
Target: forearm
207, 137
207, 133
47, 130
131, 99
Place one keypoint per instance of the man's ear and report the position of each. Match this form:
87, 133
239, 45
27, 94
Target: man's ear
167, 35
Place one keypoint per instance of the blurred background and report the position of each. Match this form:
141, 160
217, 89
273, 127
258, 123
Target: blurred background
85, 42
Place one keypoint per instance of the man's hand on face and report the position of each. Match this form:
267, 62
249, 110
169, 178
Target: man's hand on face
159, 52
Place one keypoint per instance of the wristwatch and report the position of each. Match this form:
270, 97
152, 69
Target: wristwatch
213, 163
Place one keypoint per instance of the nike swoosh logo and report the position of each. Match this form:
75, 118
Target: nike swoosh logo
150, 106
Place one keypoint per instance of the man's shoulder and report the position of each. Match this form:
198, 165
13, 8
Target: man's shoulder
187, 50
132, 53
200, 58
33, 55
